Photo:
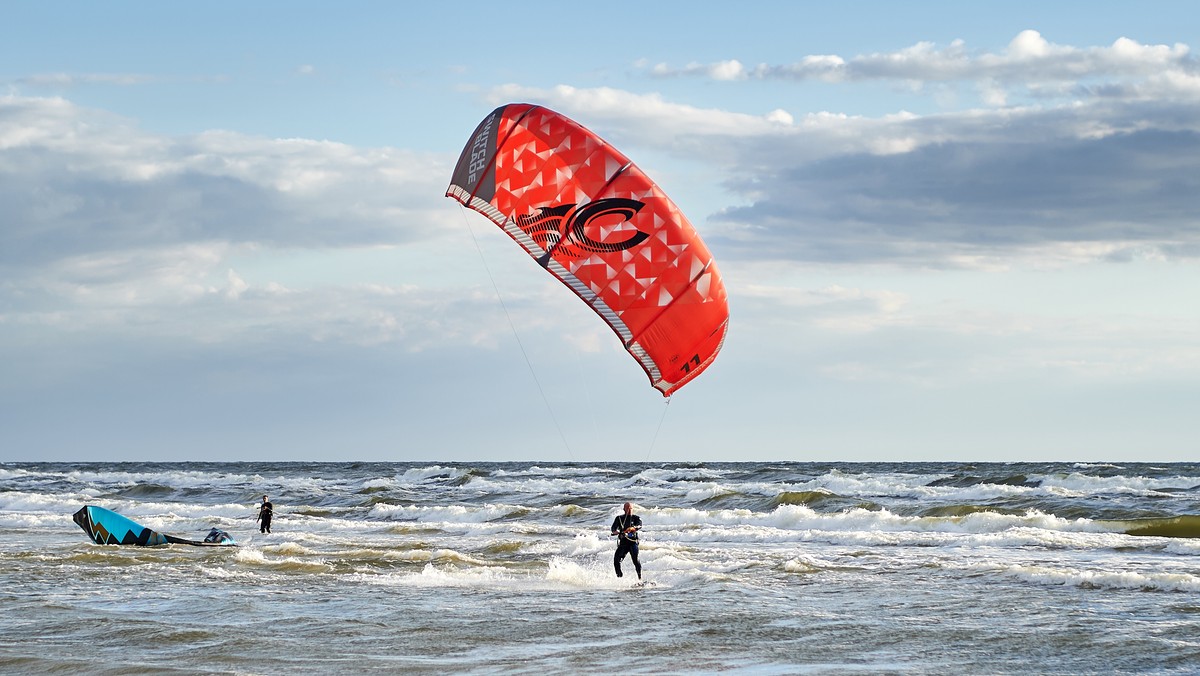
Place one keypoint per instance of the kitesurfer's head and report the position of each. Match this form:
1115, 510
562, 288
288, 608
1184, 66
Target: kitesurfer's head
628, 507
264, 498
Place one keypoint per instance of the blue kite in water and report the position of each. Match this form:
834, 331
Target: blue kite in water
106, 527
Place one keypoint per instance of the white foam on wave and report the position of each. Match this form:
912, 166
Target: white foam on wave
914, 486
34, 521
444, 513
582, 545
20, 501
379, 554
981, 492
572, 574
561, 573
866, 528
298, 524
804, 564
288, 549
172, 478
17, 473
877, 484
383, 482
434, 555
917, 486
673, 474
538, 470
1155, 581
679, 563
1014, 538
452, 576
544, 485
707, 491
1077, 484
570, 510
802, 517
257, 557
1188, 547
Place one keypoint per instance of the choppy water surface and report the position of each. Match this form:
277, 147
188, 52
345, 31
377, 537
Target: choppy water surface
918, 568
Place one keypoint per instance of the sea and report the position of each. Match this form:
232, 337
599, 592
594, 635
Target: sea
482, 568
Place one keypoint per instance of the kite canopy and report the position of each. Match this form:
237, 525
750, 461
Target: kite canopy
106, 527
592, 219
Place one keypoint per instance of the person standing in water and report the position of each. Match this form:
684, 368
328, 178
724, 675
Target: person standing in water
264, 515
626, 527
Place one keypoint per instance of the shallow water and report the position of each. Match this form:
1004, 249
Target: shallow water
917, 568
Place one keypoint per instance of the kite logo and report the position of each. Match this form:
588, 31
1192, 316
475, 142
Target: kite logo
479, 148
562, 230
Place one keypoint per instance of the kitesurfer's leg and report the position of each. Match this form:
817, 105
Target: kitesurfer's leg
618, 556
633, 553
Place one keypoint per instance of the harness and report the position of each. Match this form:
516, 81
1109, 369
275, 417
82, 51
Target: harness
625, 518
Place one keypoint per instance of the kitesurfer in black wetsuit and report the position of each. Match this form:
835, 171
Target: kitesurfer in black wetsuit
626, 527
264, 515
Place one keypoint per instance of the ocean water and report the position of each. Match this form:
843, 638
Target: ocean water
752, 568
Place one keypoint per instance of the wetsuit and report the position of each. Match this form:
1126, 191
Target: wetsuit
264, 515
627, 542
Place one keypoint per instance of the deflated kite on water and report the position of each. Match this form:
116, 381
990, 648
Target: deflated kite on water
592, 219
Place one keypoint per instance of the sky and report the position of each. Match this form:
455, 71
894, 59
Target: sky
949, 231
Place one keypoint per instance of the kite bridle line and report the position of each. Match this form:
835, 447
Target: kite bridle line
512, 325
658, 429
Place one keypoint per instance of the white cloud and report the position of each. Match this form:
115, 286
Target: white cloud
1029, 58
236, 285
722, 70
643, 115
77, 181
106, 229
781, 116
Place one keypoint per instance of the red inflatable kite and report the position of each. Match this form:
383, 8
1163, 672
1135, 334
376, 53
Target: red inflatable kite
592, 219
